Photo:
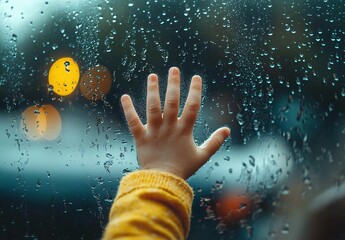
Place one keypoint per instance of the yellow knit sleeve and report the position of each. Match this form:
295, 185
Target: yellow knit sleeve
150, 205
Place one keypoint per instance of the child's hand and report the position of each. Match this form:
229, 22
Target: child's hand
166, 142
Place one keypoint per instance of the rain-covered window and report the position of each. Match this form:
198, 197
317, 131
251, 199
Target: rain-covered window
273, 72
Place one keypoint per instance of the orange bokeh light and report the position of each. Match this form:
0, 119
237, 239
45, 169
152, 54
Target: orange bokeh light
232, 208
95, 83
41, 123
64, 76
53, 122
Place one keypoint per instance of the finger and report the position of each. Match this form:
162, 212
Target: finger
172, 98
211, 145
134, 123
153, 104
191, 108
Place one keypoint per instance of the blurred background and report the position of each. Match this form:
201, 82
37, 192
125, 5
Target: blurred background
273, 72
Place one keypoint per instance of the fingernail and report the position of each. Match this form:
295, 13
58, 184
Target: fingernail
174, 71
152, 77
197, 78
125, 98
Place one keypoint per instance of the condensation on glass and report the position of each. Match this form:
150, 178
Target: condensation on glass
273, 72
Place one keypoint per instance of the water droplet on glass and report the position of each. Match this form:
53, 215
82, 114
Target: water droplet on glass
14, 38
126, 170
306, 180
285, 190
331, 107
252, 160
38, 184
67, 64
249, 231
50, 88
219, 185
343, 92
239, 118
286, 229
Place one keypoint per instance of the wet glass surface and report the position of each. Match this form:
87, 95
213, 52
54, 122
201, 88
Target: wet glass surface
273, 72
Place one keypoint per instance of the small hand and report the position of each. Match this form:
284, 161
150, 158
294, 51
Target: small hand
166, 142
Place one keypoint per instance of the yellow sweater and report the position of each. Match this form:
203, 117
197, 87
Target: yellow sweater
150, 205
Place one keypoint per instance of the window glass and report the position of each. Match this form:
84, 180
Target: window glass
273, 72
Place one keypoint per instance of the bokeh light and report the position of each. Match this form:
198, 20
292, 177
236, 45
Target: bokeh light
232, 208
95, 83
64, 76
41, 123
53, 122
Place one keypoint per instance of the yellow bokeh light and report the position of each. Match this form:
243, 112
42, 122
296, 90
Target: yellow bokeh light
64, 76
95, 83
41, 122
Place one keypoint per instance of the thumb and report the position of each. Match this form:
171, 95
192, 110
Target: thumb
214, 142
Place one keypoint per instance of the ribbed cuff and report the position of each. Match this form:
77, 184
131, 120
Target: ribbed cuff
156, 179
